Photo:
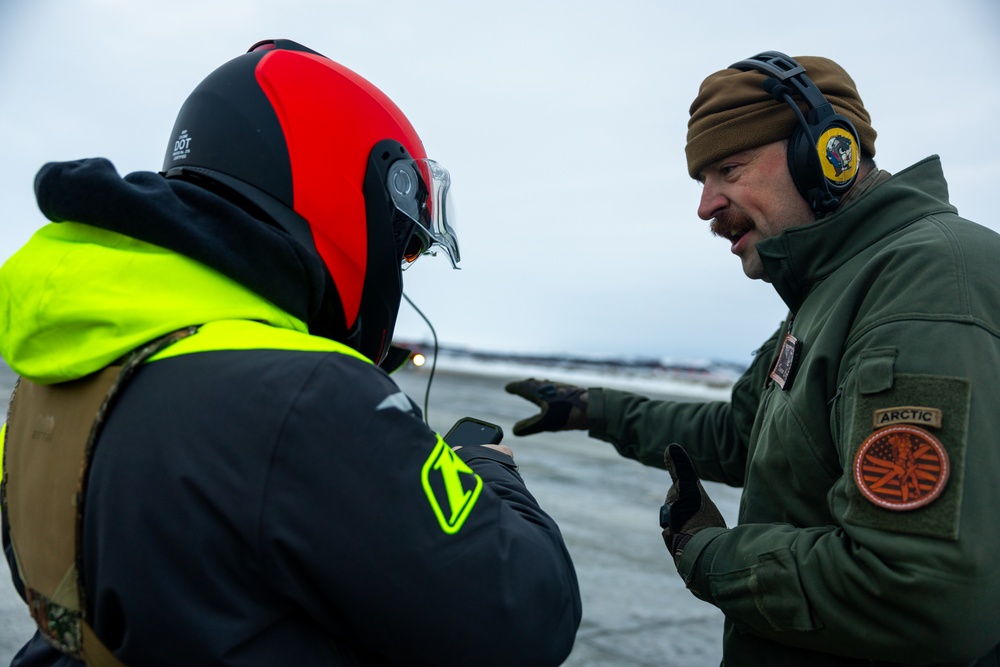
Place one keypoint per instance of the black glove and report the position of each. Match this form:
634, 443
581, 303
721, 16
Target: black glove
564, 407
687, 509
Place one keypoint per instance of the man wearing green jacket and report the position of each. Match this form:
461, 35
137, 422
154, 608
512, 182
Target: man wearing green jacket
866, 434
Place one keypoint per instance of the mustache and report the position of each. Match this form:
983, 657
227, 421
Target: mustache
729, 224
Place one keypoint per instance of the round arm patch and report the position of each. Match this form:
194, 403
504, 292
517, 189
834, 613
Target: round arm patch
901, 468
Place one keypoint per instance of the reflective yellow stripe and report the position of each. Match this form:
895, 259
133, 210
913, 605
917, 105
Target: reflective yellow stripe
241, 335
249, 335
452, 487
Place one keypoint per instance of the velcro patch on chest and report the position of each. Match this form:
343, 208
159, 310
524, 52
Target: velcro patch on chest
901, 468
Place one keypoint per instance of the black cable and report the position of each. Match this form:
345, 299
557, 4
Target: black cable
427, 393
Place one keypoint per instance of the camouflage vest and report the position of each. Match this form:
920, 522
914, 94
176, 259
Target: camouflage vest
51, 434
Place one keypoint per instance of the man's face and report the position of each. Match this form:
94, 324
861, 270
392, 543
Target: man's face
749, 197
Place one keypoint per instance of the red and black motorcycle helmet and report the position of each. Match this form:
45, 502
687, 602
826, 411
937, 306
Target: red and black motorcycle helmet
330, 159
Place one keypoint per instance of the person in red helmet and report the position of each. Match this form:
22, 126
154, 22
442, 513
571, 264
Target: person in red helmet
204, 462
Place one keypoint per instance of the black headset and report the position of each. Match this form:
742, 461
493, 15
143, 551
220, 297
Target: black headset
823, 151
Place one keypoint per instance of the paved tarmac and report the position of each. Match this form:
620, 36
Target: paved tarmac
636, 611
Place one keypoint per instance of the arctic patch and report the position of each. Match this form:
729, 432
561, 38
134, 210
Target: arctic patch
907, 414
451, 487
901, 468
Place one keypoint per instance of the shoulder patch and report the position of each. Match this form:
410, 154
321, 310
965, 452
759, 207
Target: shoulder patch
901, 467
451, 487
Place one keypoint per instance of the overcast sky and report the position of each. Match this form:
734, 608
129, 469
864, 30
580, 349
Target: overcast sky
562, 123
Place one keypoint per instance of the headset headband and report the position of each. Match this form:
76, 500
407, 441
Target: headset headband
786, 70
813, 148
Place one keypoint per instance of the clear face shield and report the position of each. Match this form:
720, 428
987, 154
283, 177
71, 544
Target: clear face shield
430, 210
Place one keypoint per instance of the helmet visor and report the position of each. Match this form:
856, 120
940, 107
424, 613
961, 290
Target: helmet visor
430, 210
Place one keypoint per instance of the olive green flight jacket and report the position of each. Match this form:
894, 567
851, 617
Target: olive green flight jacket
890, 556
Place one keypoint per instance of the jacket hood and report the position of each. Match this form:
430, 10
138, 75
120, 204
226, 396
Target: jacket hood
75, 298
192, 221
78, 296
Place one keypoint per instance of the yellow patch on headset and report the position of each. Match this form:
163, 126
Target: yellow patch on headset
838, 154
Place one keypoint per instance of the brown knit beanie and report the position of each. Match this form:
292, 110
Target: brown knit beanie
732, 113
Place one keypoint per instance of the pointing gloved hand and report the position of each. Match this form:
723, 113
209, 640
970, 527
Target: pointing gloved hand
564, 406
687, 509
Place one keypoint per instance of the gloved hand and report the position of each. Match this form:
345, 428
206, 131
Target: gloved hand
687, 509
564, 406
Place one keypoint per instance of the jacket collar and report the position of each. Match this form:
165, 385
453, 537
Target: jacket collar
801, 257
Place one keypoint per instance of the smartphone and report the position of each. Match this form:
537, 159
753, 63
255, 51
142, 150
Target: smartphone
470, 431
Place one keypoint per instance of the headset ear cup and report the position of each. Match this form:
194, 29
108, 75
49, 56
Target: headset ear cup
838, 154
811, 157
802, 164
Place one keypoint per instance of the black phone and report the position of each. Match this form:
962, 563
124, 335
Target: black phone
471, 431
